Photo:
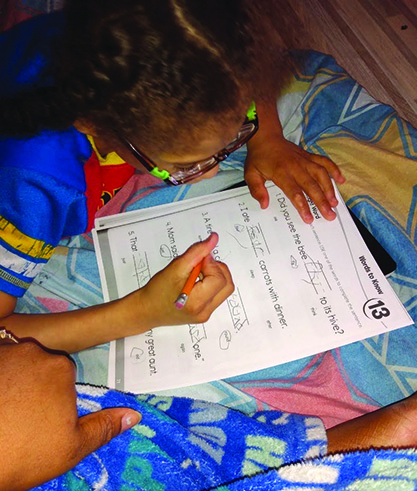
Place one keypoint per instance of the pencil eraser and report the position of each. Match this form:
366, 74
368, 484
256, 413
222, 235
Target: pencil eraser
181, 300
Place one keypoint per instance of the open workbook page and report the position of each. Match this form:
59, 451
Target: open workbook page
300, 289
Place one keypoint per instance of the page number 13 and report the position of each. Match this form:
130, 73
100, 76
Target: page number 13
375, 309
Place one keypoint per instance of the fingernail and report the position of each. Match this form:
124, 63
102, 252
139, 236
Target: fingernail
210, 236
299, 199
130, 419
332, 200
328, 213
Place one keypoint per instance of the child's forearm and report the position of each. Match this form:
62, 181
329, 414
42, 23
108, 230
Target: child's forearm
144, 309
269, 123
81, 329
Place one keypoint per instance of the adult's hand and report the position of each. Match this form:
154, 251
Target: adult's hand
41, 436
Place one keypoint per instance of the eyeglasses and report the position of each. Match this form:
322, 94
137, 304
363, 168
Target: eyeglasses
183, 176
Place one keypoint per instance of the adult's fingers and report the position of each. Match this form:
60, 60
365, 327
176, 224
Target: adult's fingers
97, 429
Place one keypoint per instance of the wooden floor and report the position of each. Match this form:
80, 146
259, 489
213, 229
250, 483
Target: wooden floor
374, 40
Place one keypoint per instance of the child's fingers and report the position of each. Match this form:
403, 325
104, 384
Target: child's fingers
211, 305
332, 168
208, 294
256, 184
322, 171
295, 194
215, 269
196, 253
322, 177
227, 289
311, 176
318, 186
216, 277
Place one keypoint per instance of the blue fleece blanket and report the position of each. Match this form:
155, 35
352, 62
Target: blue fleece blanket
185, 444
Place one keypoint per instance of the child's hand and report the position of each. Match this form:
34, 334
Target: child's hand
294, 170
158, 297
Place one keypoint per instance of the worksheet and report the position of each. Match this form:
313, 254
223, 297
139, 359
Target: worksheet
299, 289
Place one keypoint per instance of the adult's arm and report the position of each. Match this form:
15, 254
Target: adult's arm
41, 436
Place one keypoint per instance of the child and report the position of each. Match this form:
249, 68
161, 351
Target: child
164, 86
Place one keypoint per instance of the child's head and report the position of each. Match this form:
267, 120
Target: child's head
157, 72
166, 74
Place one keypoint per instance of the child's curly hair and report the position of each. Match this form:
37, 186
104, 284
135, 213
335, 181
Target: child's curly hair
140, 66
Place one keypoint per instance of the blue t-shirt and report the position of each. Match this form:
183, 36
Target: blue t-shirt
45, 195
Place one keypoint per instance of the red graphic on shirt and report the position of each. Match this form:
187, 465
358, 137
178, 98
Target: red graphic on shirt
113, 178
103, 182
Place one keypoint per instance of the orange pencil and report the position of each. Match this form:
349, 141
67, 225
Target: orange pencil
183, 296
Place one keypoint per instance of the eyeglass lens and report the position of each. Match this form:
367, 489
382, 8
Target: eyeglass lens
245, 131
201, 167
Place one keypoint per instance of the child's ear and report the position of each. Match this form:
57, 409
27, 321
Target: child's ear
86, 127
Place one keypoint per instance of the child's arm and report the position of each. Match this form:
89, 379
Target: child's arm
272, 157
144, 309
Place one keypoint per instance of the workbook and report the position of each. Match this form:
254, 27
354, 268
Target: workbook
299, 289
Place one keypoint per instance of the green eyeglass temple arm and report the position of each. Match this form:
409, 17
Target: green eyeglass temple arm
160, 174
251, 114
